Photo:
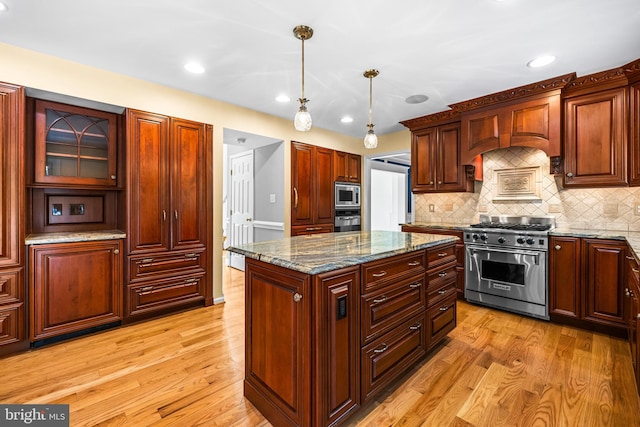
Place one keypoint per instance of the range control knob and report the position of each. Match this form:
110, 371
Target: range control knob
520, 240
475, 237
501, 240
483, 237
530, 241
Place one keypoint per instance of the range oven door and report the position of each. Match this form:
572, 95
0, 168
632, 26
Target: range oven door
516, 274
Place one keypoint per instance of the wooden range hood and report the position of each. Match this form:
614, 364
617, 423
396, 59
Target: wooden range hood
526, 116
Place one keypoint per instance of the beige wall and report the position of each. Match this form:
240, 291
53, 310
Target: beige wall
39, 71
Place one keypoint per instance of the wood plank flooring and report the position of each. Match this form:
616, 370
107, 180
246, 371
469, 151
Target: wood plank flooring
494, 369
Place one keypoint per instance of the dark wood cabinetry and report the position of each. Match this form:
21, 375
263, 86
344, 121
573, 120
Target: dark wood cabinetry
312, 188
346, 167
459, 251
341, 336
586, 281
13, 310
74, 286
435, 160
75, 146
634, 137
604, 274
565, 276
169, 200
595, 138
632, 313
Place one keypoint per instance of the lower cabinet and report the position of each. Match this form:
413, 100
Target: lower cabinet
586, 281
318, 347
632, 314
74, 287
12, 309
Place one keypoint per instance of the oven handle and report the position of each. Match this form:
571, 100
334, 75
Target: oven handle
515, 252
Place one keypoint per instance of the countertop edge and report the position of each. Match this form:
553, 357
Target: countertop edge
70, 237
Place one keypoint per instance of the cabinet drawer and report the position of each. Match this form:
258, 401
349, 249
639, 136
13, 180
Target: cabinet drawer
440, 255
441, 319
303, 230
389, 306
10, 288
155, 266
439, 277
380, 273
164, 294
390, 355
11, 324
435, 294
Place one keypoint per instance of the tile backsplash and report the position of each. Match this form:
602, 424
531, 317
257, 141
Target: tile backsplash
597, 208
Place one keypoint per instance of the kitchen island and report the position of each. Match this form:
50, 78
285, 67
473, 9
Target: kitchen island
331, 319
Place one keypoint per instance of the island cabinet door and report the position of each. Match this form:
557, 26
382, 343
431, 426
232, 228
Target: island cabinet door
337, 351
278, 343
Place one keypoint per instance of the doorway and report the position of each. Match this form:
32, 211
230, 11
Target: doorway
390, 201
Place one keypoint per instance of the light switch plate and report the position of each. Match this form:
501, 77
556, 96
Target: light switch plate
272, 198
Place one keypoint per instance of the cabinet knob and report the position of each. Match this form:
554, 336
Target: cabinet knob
430, 182
626, 292
439, 182
569, 174
557, 247
116, 251
297, 297
113, 177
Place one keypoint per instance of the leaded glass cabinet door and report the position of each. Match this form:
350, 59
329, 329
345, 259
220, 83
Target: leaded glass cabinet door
75, 145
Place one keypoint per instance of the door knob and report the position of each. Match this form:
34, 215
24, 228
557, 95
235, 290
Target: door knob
249, 219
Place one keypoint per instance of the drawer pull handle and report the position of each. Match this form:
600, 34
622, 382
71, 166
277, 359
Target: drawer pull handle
442, 291
146, 262
415, 327
164, 215
189, 282
190, 255
443, 274
414, 263
381, 350
313, 228
382, 273
635, 270
445, 308
415, 285
297, 297
629, 257
442, 254
379, 300
146, 290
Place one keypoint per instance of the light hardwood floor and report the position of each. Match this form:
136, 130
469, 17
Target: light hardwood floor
494, 369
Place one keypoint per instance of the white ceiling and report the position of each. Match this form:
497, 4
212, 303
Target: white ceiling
449, 50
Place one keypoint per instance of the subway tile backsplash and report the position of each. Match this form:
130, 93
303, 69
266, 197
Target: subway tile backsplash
594, 208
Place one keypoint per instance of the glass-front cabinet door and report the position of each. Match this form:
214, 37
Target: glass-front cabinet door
75, 145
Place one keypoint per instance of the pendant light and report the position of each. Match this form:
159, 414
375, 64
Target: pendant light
370, 139
302, 121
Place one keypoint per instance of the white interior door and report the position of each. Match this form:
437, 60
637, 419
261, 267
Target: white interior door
388, 200
241, 182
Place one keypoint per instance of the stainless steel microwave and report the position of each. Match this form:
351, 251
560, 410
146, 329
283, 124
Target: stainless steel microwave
347, 195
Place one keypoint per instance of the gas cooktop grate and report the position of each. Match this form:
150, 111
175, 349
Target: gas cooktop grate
507, 226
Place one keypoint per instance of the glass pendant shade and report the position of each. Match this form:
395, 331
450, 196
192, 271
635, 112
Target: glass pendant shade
302, 121
370, 139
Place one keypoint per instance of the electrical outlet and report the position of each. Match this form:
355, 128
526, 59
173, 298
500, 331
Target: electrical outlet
432, 208
272, 198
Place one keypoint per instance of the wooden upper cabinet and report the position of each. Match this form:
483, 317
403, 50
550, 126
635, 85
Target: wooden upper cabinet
312, 184
435, 160
346, 167
11, 176
595, 139
75, 146
167, 182
634, 137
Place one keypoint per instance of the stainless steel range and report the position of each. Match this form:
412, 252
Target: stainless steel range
506, 263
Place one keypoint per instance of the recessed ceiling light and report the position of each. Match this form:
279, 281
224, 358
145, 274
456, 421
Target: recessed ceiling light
194, 68
346, 119
3, 7
283, 98
541, 61
416, 99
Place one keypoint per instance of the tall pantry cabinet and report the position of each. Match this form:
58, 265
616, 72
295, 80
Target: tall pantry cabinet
169, 178
13, 310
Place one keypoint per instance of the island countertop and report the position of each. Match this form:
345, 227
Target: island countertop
318, 253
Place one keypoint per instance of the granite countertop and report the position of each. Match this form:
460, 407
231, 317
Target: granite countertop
317, 253
67, 237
